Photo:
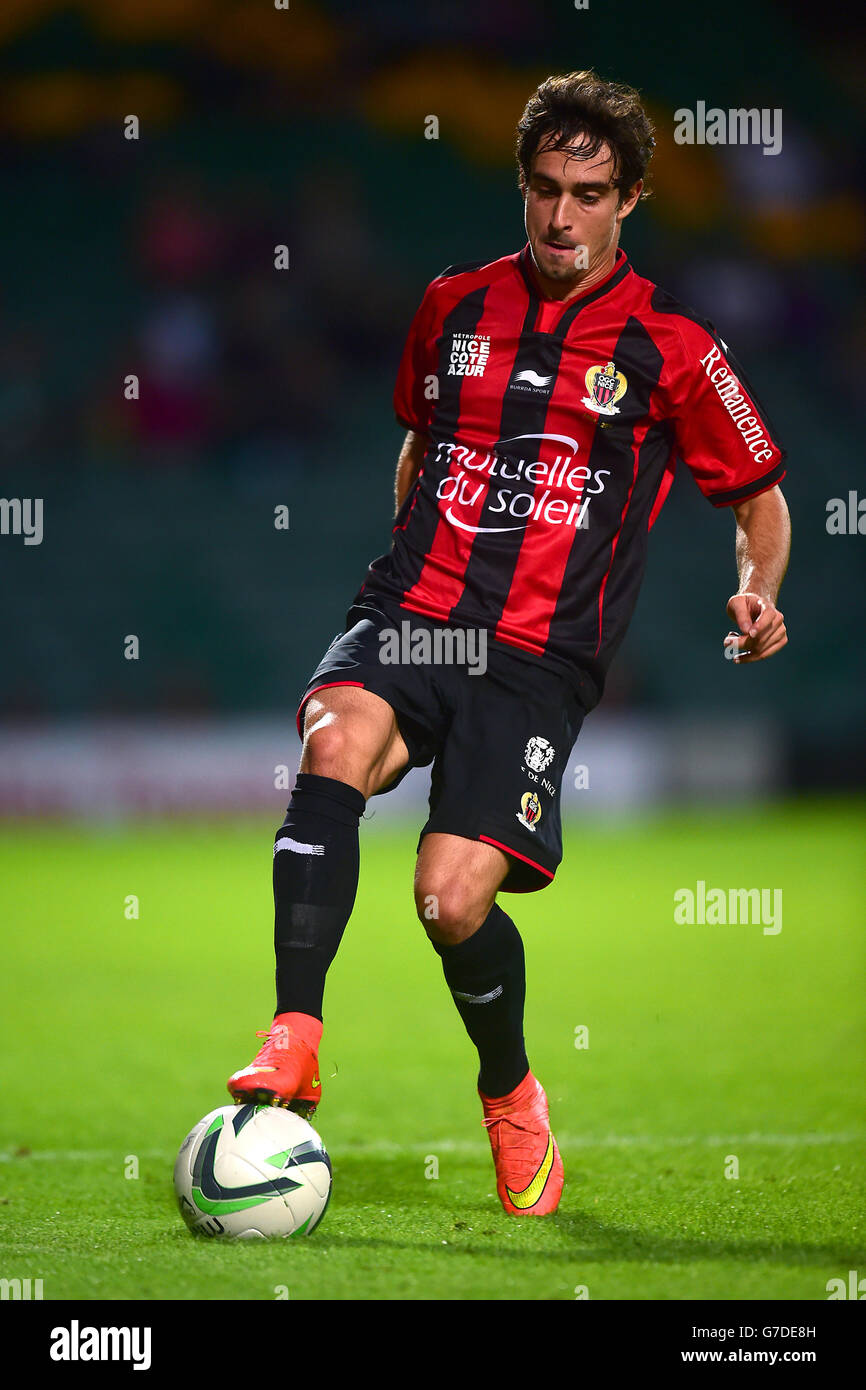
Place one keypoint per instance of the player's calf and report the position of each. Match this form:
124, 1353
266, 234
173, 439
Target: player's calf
315, 878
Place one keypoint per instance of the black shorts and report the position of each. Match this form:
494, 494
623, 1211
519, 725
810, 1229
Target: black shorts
499, 741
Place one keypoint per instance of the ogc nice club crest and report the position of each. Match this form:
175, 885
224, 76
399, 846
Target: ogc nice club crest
605, 386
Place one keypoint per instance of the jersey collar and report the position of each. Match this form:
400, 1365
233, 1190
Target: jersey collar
618, 272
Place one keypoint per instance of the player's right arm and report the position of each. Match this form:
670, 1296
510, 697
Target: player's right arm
415, 394
409, 465
724, 436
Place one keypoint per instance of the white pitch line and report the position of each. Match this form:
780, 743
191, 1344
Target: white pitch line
385, 1148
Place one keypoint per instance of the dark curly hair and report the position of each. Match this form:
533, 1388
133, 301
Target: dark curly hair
583, 104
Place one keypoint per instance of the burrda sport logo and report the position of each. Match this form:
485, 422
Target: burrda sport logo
462, 491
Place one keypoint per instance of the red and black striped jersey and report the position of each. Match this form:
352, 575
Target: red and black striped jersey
554, 429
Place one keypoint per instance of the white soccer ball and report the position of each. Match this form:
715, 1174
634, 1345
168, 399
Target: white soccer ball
252, 1170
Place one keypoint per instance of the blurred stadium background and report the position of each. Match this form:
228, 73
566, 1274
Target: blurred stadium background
262, 387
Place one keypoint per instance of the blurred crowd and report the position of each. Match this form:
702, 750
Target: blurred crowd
232, 359
766, 246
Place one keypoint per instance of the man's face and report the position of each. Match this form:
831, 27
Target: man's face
573, 214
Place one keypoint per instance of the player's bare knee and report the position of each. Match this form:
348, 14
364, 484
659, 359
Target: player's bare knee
449, 912
342, 749
326, 746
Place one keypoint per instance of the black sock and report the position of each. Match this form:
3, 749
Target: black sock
489, 968
315, 881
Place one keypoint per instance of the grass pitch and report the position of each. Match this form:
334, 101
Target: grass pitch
711, 1050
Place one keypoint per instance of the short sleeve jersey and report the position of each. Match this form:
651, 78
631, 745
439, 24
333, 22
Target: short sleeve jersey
554, 429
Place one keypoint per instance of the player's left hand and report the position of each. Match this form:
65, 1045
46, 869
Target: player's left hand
762, 628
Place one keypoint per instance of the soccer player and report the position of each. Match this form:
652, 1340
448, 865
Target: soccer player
546, 397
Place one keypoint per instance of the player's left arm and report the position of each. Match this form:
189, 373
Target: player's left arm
763, 544
409, 465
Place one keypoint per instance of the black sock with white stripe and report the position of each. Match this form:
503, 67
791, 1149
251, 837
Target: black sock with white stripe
487, 978
315, 882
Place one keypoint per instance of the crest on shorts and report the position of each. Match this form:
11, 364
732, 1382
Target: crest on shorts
605, 386
530, 810
539, 753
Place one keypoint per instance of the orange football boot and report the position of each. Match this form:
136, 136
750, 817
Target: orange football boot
285, 1070
529, 1172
